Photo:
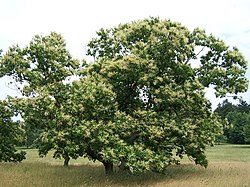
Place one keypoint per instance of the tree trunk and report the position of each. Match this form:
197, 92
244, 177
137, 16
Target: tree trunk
108, 167
122, 167
27, 141
66, 160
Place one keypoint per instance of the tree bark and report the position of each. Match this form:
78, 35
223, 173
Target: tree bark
108, 168
107, 165
123, 167
66, 160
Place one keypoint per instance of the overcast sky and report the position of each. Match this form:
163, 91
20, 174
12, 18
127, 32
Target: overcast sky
78, 20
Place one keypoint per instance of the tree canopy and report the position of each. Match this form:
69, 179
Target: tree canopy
158, 70
175, 50
141, 105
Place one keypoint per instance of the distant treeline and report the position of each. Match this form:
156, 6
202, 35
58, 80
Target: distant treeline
237, 122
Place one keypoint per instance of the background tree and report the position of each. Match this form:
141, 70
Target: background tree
246, 128
236, 132
238, 118
11, 135
225, 108
31, 135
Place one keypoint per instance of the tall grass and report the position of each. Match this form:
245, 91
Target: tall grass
229, 166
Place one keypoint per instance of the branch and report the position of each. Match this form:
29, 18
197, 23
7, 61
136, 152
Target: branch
15, 88
200, 51
186, 62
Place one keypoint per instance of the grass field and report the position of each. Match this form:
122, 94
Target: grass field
229, 166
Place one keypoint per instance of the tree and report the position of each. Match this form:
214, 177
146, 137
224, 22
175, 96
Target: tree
31, 135
238, 118
235, 133
140, 106
246, 128
42, 69
150, 65
225, 108
11, 135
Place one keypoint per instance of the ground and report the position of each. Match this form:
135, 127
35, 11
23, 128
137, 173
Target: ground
229, 166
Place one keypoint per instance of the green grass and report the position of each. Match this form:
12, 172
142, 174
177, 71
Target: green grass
229, 153
229, 165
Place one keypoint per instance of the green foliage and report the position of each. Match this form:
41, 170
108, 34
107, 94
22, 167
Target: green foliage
238, 117
11, 135
31, 135
246, 130
45, 62
225, 108
173, 47
42, 69
235, 134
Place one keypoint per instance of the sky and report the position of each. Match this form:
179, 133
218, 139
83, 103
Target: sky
78, 21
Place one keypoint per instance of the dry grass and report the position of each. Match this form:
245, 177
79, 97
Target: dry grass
229, 166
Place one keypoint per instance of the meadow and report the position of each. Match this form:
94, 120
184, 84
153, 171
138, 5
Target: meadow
229, 166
